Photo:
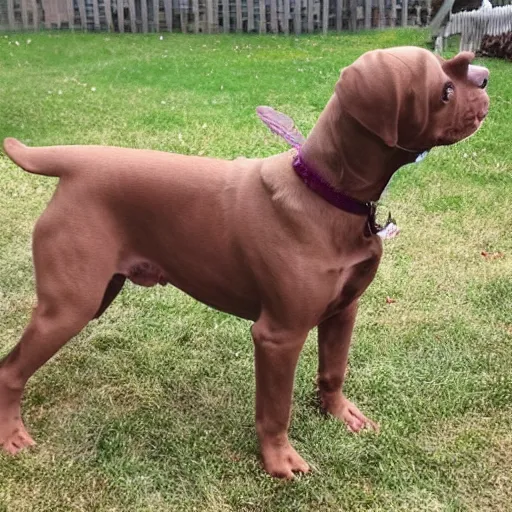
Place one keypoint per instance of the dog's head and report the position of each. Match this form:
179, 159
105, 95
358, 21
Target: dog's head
412, 99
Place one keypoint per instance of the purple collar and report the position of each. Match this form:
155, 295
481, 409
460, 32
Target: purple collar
338, 199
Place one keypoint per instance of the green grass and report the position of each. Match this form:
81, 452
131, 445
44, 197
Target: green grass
151, 408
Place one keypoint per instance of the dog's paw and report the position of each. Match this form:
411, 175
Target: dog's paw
355, 419
13, 435
283, 461
17, 440
346, 411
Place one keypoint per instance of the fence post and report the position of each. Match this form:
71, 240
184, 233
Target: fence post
183, 17
263, 17
405, 12
353, 15
325, 16
382, 14
168, 14
339, 15
297, 17
24, 14
107, 5
225, 16
144, 15
209, 16
35, 14
250, 15
156, 15
367, 14
83, 15
195, 12
286, 17
96, 14
133, 16
239, 25
311, 6
392, 19
120, 16
273, 16
215, 16
10, 13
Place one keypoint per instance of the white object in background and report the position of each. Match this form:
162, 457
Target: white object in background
390, 231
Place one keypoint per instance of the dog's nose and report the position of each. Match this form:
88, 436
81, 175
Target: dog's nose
478, 75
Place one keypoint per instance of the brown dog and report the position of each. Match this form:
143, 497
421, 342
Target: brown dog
252, 237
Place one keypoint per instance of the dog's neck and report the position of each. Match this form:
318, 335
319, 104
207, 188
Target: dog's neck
349, 157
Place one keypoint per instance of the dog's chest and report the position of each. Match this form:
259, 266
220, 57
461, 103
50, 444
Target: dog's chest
352, 282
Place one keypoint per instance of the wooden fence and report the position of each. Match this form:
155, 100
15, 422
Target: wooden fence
474, 25
210, 16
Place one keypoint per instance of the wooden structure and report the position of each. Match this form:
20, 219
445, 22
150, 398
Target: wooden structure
472, 25
210, 16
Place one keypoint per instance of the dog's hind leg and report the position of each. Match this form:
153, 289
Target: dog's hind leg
334, 335
72, 274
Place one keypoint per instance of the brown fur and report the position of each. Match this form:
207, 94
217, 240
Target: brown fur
245, 236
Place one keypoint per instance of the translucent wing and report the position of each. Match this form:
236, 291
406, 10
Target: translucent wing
281, 125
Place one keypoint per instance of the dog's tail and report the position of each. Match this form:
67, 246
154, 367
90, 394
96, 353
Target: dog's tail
44, 160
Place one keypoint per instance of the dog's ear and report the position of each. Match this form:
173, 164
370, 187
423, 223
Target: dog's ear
372, 90
458, 65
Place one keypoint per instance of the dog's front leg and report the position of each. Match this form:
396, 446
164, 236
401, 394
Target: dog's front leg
334, 336
276, 353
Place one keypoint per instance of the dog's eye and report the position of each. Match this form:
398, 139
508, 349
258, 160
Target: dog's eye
448, 92
483, 85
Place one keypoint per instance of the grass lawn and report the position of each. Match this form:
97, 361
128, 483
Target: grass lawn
151, 408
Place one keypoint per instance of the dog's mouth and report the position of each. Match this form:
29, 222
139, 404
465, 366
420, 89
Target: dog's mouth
459, 134
471, 123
